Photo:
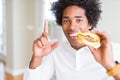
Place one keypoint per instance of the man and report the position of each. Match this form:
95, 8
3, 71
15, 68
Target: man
72, 60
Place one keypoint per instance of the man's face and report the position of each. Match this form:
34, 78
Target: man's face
73, 21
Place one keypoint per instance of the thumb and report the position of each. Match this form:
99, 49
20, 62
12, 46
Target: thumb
91, 49
55, 45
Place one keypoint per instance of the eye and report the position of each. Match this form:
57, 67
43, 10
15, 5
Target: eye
65, 21
78, 20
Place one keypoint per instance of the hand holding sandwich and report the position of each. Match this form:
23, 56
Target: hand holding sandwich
103, 54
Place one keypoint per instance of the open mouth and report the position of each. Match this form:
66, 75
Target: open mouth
73, 36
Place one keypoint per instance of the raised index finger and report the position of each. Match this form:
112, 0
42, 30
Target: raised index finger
46, 26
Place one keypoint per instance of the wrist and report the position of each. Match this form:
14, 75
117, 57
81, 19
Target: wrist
110, 66
115, 70
35, 62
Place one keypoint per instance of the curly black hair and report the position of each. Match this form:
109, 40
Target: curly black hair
92, 9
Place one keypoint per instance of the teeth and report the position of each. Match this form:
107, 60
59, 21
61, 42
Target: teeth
75, 34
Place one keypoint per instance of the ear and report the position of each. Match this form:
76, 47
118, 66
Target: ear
89, 27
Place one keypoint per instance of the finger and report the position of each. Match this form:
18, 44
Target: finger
105, 36
46, 26
46, 35
101, 34
43, 41
39, 44
55, 45
91, 48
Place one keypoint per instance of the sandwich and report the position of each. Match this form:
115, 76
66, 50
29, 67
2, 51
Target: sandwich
89, 38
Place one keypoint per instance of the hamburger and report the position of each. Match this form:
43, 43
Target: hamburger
89, 38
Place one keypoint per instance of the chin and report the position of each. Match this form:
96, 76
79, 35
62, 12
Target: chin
77, 44
74, 43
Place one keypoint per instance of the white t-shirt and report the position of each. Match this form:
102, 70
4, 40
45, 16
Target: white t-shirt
66, 63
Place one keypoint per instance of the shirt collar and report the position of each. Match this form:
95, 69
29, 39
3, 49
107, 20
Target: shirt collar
82, 50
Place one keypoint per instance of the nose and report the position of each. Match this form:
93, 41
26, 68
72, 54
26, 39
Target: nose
75, 26
72, 25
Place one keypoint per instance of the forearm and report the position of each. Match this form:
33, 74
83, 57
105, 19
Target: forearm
35, 62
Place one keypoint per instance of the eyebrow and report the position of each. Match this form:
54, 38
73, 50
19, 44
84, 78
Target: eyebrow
78, 16
75, 17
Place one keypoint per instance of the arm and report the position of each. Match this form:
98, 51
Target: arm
41, 64
104, 54
42, 47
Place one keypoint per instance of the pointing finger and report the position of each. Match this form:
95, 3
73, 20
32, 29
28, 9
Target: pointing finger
46, 26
